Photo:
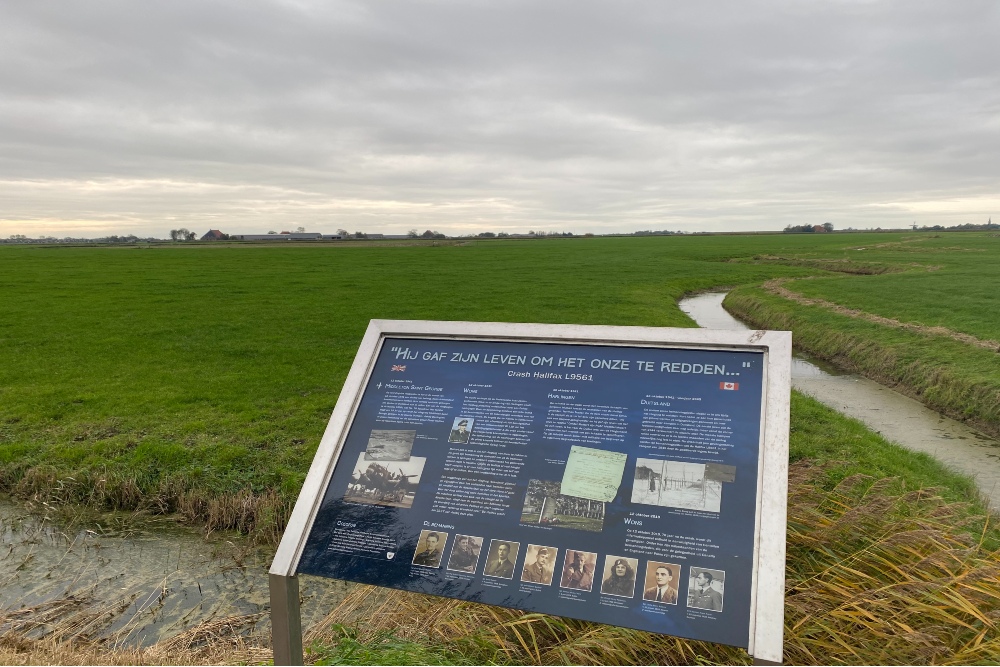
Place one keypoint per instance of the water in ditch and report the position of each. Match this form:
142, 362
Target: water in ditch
896, 417
136, 580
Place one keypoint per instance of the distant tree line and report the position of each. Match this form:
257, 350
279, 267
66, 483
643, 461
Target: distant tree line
809, 229
969, 227
131, 238
182, 234
343, 233
504, 235
429, 234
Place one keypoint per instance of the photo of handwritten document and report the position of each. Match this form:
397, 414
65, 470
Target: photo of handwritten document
594, 474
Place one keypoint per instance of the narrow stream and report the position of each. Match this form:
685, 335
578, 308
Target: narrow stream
134, 580
896, 417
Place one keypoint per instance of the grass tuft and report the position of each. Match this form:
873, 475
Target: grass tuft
881, 575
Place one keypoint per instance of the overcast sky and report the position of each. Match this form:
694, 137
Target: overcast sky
384, 116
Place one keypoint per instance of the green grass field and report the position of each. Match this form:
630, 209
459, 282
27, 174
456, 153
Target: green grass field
170, 376
948, 280
943, 287
216, 368
199, 379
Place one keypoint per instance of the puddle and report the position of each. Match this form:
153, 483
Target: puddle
146, 583
896, 417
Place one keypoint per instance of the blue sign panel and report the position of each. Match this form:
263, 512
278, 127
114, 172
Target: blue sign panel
606, 483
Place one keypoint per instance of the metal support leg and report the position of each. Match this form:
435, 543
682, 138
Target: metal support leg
286, 623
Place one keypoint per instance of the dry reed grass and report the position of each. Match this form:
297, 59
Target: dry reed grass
876, 575
261, 516
80, 629
67, 632
484, 634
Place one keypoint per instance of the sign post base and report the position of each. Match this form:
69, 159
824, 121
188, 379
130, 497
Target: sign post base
286, 622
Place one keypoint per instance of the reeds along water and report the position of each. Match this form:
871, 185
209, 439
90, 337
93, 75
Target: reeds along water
262, 516
65, 641
128, 586
876, 574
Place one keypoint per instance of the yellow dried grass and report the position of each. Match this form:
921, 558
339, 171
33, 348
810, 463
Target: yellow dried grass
876, 575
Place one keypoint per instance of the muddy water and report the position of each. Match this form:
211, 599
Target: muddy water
146, 582
897, 417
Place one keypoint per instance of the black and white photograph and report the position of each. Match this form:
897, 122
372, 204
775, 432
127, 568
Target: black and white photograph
461, 430
392, 483
545, 505
706, 588
578, 570
676, 484
539, 564
501, 559
390, 445
619, 576
430, 547
465, 553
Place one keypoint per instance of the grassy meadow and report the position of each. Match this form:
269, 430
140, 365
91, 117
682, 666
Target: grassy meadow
184, 375
940, 289
198, 379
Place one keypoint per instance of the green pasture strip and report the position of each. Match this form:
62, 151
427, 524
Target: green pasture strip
957, 379
169, 377
823, 435
386, 649
947, 280
166, 370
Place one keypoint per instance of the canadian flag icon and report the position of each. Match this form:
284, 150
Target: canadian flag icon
731, 386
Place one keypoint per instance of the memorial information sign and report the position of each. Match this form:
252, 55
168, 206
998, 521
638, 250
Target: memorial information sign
615, 484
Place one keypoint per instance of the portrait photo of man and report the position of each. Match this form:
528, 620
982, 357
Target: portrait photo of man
661, 582
578, 570
706, 589
461, 429
430, 547
465, 553
500, 561
538, 564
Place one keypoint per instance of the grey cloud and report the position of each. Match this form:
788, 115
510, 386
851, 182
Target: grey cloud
462, 115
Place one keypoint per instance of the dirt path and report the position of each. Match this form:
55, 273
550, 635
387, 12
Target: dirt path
777, 288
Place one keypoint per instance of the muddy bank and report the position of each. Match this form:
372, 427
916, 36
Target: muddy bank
896, 417
134, 581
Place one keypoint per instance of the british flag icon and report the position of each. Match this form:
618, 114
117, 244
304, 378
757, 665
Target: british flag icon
731, 386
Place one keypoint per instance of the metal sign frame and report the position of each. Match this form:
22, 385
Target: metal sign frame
767, 596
